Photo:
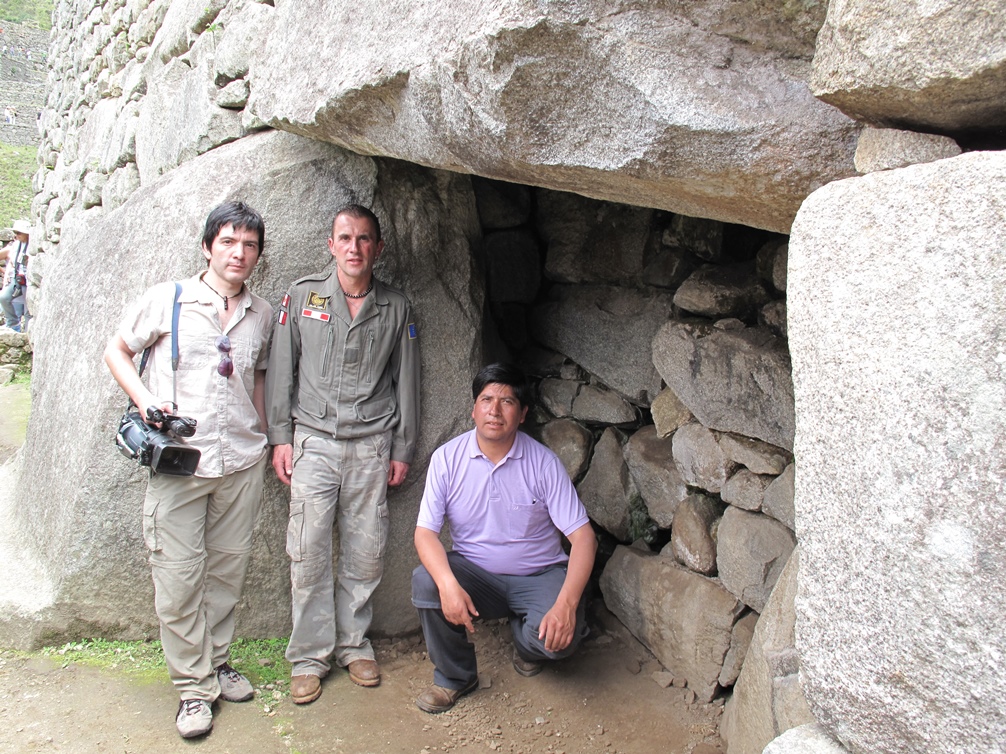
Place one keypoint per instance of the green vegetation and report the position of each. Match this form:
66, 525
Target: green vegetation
17, 165
27, 12
261, 660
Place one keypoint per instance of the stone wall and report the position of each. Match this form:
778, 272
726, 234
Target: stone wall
22, 81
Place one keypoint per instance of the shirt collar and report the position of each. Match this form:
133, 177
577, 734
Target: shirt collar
516, 450
195, 292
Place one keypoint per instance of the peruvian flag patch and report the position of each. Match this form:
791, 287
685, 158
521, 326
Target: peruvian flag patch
312, 314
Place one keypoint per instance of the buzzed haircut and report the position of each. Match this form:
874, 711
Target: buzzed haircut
359, 212
502, 373
238, 215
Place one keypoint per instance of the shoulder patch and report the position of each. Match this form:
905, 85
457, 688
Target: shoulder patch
413, 334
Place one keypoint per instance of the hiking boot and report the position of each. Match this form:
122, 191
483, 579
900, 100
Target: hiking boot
364, 672
305, 688
234, 687
194, 718
438, 699
526, 668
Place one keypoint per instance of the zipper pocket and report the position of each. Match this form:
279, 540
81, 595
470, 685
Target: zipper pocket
327, 353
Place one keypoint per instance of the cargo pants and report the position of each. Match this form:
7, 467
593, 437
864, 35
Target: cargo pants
341, 483
199, 533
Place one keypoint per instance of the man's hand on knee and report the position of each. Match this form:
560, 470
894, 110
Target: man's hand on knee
458, 607
557, 627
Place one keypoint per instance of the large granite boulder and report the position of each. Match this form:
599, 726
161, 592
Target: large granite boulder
723, 124
731, 380
77, 511
936, 66
685, 619
896, 303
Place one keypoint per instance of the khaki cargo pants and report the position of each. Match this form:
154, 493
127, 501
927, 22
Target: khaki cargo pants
340, 483
199, 533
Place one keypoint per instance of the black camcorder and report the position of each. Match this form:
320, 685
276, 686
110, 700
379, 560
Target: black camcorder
159, 448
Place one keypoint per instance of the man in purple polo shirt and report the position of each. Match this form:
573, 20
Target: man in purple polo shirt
508, 501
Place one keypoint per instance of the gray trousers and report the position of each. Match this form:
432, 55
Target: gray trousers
199, 533
341, 483
522, 599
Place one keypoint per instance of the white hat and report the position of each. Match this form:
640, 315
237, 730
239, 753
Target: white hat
22, 226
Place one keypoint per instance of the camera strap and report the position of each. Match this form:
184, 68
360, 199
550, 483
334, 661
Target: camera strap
175, 311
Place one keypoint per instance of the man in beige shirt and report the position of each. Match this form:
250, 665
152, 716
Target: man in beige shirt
199, 528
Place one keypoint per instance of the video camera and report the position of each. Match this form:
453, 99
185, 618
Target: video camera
158, 448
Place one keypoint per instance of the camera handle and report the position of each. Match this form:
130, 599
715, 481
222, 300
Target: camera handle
175, 311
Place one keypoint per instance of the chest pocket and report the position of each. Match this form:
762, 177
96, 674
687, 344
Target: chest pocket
525, 519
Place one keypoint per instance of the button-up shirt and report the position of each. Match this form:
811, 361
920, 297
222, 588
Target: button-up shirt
229, 433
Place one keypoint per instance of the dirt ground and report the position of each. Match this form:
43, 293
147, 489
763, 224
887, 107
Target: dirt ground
602, 700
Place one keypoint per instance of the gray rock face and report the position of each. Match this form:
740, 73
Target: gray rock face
607, 330
726, 291
180, 119
685, 619
700, 459
746, 490
889, 148
773, 316
607, 491
740, 641
669, 413
651, 464
570, 441
95, 561
521, 92
751, 551
935, 66
895, 311
557, 395
593, 404
767, 698
731, 380
778, 499
589, 241
758, 457
693, 533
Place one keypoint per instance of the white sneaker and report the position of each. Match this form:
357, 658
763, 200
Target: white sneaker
234, 687
194, 718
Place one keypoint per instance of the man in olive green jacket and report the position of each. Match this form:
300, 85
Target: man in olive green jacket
342, 398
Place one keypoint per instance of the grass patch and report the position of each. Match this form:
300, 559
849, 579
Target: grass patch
27, 11
261, 660
17, 166
22, 378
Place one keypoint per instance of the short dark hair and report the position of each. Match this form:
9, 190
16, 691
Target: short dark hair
502, 373
237, 214
360, 213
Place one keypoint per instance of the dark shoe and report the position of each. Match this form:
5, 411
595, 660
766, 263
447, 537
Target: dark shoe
234, 687
364, 672
305, 688
526, 668
439, 699
194, 718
